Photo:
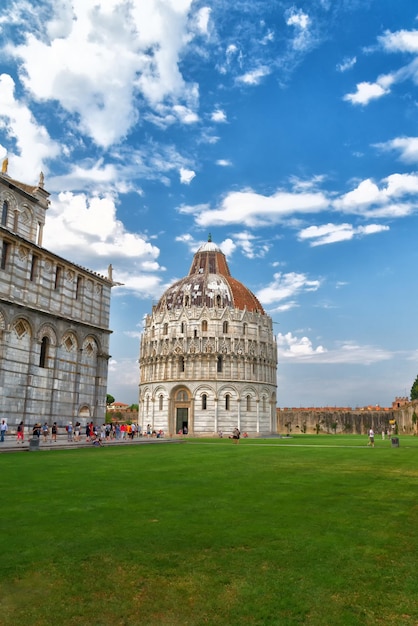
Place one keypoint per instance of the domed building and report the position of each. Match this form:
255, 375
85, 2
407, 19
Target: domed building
208, 356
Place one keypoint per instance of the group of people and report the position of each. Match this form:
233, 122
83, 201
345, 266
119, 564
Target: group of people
75, 432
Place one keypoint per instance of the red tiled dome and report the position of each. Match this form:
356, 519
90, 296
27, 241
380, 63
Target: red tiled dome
209, 283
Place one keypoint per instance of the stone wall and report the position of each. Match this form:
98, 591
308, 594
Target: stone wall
358, 421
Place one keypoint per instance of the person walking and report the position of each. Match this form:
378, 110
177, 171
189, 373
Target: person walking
3, 430
371, 438
54, 432
45, 431
20, 435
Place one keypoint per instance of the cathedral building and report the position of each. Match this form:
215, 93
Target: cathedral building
208, 356
54, 320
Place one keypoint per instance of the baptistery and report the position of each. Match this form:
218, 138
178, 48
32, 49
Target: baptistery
208, 355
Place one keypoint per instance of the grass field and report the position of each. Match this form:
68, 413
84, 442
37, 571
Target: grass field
316, 530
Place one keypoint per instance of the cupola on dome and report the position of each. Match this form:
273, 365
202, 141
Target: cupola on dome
209, 283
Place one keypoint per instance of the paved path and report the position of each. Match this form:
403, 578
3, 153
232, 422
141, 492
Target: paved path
10, 444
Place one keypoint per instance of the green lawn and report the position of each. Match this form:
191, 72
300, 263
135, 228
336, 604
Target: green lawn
316, 530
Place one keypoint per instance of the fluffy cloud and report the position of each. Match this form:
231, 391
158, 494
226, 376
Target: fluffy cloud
89, 225
285, 286
186, 176
86, 77
369, 91
347, 64
348, 352
400, 41
252, 209
406, 146
34, 146
332, 233
389, 200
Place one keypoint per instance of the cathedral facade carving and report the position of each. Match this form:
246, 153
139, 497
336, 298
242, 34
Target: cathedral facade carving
208, 356
54, 320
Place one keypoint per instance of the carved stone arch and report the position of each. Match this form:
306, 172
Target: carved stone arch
8, 197
26, 214
84, 412
90, 347
22, 327
204, 388
47, 331
69, 341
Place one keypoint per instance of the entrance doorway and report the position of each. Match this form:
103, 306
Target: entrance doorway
182, 420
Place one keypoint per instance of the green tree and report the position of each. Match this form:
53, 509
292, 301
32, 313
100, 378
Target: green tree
414, 390
134, 407
109, 399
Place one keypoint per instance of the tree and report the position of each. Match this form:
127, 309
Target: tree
414, 390
109, 399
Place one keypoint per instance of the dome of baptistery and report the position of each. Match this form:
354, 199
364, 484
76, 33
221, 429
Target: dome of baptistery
208, 356
209, 283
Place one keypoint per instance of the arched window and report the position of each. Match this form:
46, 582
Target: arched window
181, 364
227, 402
4, 213
264, 404
244, 329
225, 327
219, 364
204, 325
165, 329
186, 301
182, 396
182, 327
34, 267
204, 402
218, 301
43, 358
160, 402
78, 287
248, 403
58, 275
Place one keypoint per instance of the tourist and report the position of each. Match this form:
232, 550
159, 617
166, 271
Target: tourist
371, 438
20, 433
77, 431
70, 431
36, 430
54, 432
45, 431
3, 430
236, 435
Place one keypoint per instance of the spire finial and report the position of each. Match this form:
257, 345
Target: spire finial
209, 238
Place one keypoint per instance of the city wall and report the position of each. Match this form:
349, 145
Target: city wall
346, 420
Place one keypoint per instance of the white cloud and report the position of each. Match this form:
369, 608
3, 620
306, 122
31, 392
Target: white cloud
346, 64
218, 116
367, 92
332, 233
34, 145
186, 176
407, 146
301, 22
400, 41
286, 286
87, 230
223, 162
252, 209
368, 199
73, 61
346, 352
289, 346
255, 76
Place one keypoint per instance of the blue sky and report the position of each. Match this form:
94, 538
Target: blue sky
288, 130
